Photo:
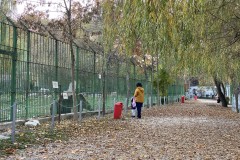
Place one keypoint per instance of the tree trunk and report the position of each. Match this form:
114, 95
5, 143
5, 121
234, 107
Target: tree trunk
75, 116
236, 93
127, 83
70, 39
236, 102
152, 70
146, 79
219, 91
223, 88
157, 83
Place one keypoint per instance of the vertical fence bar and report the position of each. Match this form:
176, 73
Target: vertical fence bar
77, 72
99, 108
147, 95
126, 103
173, 93
14, 69
150, 101
56, 64
59, 110
94, 79
118, 90
114, 101
104, 98
14, 121
128, 89
28, 72
53, 114
80, 111
152, 83
160, 101
156, 100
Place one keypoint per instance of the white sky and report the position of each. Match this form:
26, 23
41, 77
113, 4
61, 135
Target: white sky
54, 9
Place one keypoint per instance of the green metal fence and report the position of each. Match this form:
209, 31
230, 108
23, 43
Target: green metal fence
30, 62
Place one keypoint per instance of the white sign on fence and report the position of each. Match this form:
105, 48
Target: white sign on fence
65, 96
55, 84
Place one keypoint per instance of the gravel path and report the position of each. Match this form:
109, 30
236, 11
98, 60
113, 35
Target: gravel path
192, 130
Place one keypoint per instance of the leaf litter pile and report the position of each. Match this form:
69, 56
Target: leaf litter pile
191, 130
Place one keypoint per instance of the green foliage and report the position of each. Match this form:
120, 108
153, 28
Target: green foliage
197, 36
162, 28
164, 80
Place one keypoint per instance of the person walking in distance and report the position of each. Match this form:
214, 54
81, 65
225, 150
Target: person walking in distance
139, 98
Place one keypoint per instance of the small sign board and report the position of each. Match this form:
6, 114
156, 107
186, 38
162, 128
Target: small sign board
55, 84
99, 76
65, 96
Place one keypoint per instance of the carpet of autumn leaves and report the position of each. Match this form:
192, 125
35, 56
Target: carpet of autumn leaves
192, 130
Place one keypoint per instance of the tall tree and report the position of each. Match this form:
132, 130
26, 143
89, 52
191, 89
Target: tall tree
196, 36
68, 8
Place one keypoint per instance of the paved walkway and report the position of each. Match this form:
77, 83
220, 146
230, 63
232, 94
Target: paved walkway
211, 101
193, 130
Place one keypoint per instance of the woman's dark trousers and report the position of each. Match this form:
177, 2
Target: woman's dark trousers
139, 109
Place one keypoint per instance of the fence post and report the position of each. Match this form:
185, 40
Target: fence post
156, 101
53, 114
28, 72
56, 64
14, 68
114, 101
99, 108
160, 101
164, 100
80, 111
150, 101
14, 121
125, 108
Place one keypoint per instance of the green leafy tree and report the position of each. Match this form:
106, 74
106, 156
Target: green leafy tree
162, 81
196, 36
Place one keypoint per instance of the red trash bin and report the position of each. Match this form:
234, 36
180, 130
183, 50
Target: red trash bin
182, 99
117, 110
